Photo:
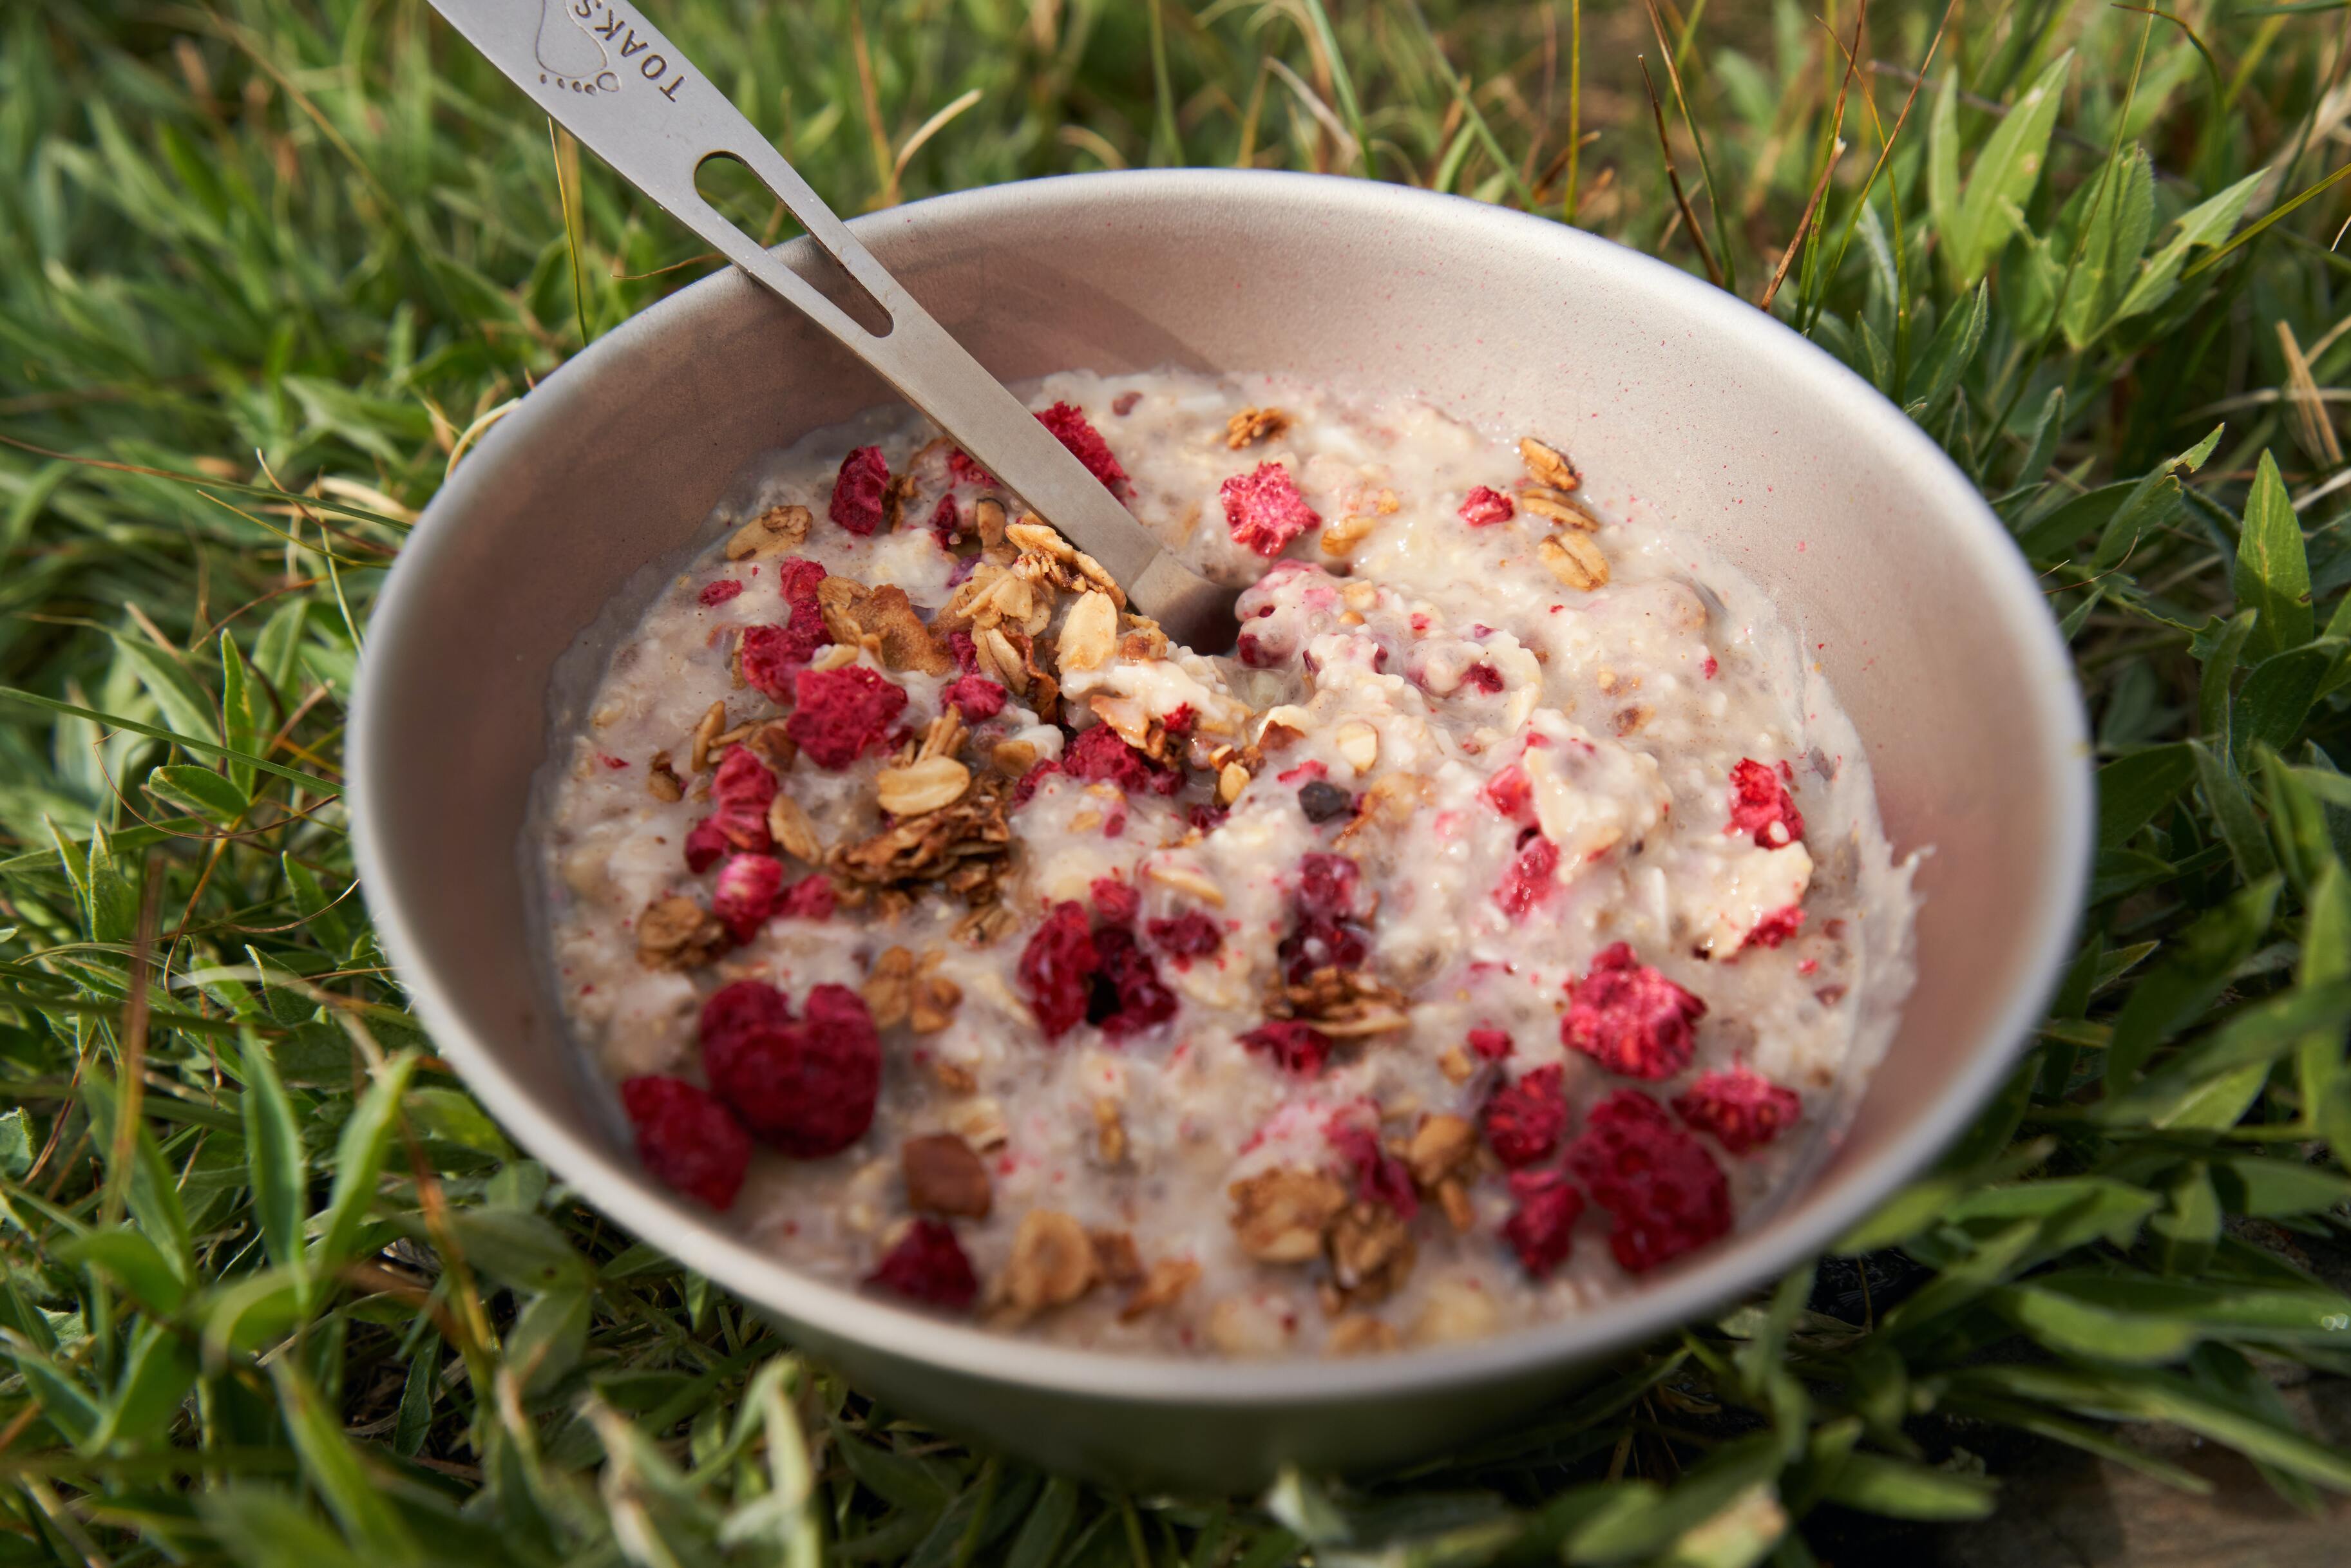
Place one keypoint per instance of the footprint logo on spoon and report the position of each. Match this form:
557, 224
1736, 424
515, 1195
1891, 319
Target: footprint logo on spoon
569, 55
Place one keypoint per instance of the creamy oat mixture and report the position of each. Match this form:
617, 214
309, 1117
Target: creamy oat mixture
1506, 917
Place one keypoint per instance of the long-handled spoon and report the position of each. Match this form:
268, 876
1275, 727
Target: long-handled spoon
610, 78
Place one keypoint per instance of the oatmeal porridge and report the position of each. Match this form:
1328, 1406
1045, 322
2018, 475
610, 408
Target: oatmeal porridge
1505, 917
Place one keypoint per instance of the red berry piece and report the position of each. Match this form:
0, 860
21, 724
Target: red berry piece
843, 714
705, 843
739, 1009
811, 898
748, 889
1057, 969
1323, 936
1663, 1194
1185, 937
1295, 1047
1327, 886
797, 578
1380, 1176
1742, 1108
1071, 428
689, 1141
1760, 805
741, 789
1541, 1228
858, 490
1775, 927
976, 697
928, 1266
1490, 1044
806, 1087
1525, 1120
962, 471
946, 523
1484, 507
743, 780
1484, 677
1511, 793
1264, 511
1126, 998
1098, 755
1116, 903
1631, 1019
715, 593
1531, 879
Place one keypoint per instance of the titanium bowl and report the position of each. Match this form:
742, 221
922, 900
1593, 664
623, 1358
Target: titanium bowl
1928, 623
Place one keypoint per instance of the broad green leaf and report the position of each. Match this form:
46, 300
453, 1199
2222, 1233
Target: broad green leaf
2189, 980
452, 1116
784, 1519
548, 1339
2133, 789
2251, 1040
2218, 647
2273, 572
1953, 347
273, 1146
153, 1194
241, 709
2150, 505
134, 1261
276, 650
2277, 696
2325, 961
252, 1311
518, 1249
157, 1374
1626, 1533
68, 1405
2206, 223
2055, 533
186, 707
268, 1528
2269, 1188
2074, 1327
1040, 1535
419, 1391
359, 1157
16, 1145
331, 1463
193, 742
2149, 1395
1876, 1483
2121, 219
2003, 177
323, 913
199, 791
2187, 1229
110, 908
1943, 154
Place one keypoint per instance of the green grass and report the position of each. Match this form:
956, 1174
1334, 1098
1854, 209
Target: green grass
277, 1291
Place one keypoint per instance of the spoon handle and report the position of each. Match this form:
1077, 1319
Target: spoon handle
610, 77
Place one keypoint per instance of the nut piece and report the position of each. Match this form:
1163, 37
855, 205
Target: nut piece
888, 988
676, 932
1231, 779
1559, 506
1052, 1261
1168, 1279
661, 780
1090, 635
789, 825
1186, 878
1456, 1065
705, 734
771, 533
930, 785
1344, 534
1282, 1215
1372, 1253
1359, 1333
1251, 426
1574, 560
1012, 758
1548, 464
1116, 1262
936, 996
1457, 1310
1453, 1198
1439, 1147
945, 1177
772, 743
1359, 744
980, 1122
1110, 1130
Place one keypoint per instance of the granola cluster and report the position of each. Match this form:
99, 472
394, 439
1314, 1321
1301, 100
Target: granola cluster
1439, 961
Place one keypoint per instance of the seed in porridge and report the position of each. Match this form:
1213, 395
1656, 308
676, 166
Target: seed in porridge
1631, 1019
936, 997
1531, 877
1663, 1194
1574, 560
932, 784
1263, 510
1300, 1049
1760, 805
1484, 506
807, 1087
928, 1266
1127, 997
1742, 1108
1541, 1227
1548, 464
843, 714
1090, 634
1490, 1044
1525, 1120
1057, 969
1013, 759
888, 988
689, 1141
976, 698
1282, 1216
792, 830
661, 780
945, 1177
1559, 506
1052, 1261
1163, 1284
1321, 800
675, 932
858, 490
748, 889
1185, 936
1776, 927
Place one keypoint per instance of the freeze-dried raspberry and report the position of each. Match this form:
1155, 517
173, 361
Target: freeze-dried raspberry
770, 654
1180, 722
961, 470
928, 1266
690, 1142
809, 898
797, 578
718, 592
1742, 1108
1098, 754
966, 652
1116, 903
1775, 927
946, 523
1299, 1048
1185, 937
748, 887
1531, 877
1629, 1018
1327, 886
1541, 1228
1057, 969
806, 1087
741, 789
1264, 511
705, 843
1484, 507
843, 714
1029, 783
1484, 677
1491, 1044
739, 1009
742, 779
1511, 793
976, 697
1126, 996
1760, 805
857, 491
1323, 936
1380, 1176
1525, 1120
1071, 428
1202, 817
1662, 1193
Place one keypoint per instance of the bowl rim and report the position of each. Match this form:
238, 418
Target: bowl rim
614, 1185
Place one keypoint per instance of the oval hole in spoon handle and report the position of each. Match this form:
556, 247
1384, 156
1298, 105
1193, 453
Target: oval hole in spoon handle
608, 77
